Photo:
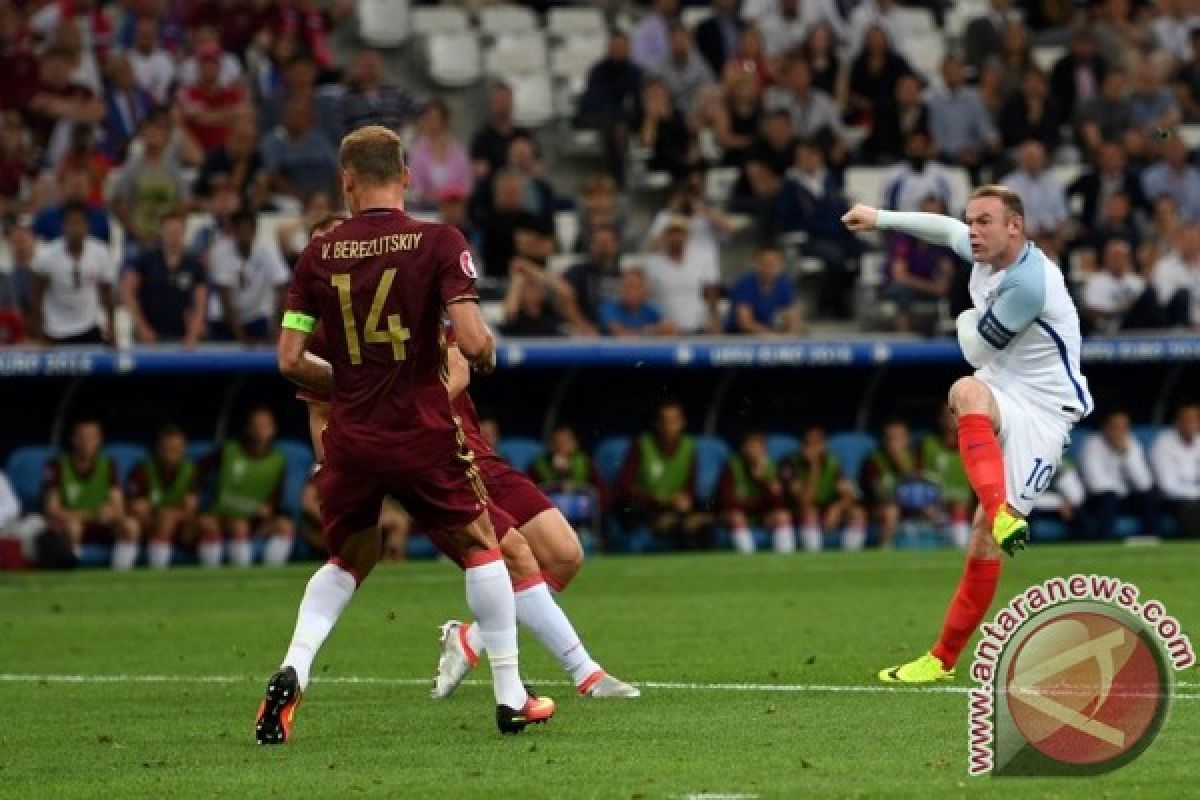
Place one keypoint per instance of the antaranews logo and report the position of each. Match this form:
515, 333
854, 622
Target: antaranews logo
1075, 678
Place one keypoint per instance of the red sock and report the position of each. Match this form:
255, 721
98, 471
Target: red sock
976, 589
983, 460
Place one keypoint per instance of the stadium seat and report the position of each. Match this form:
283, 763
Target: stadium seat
781, 445
383, 23
299, 458
198, 451
428, 20
24, 469
719, 183
925, 53
711, 455
609, 455
566, 230
516, 53
865, 184
573, 60
1046, 56
694, 15
533, 98
1190, 134
918, 22
1066, 174
851, 448
1146, 434
507, 19
568, 22
520, 451
454, 59
125, 455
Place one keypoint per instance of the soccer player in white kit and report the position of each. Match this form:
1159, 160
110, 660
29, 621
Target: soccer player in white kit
1016, 412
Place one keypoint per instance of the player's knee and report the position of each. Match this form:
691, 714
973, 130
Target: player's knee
128, 530
239, 529
969, 395
518, 558
283, 526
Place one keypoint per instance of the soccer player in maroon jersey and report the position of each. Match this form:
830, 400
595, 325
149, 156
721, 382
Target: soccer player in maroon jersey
391, 430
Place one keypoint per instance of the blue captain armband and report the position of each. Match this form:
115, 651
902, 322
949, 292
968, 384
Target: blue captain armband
993, 331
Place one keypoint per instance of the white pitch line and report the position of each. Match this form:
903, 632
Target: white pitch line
816, 688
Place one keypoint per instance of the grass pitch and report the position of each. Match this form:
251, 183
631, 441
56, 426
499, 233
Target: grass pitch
149, 683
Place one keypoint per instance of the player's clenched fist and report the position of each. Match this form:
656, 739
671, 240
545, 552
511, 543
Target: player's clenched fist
860, 218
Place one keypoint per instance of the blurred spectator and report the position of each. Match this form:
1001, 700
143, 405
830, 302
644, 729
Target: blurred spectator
814, 113
1032, 114
738, 119
489, 145
236, 166
162, 495
962, 130
762, 299
82, 155
75, 186
84, 71
882, 15
18, 64
656, 485
684, 72
1175, 456
569, 478
81, 498
164, 289
208, 54
984, 34
892, 483
943, 468
1187, 80
918, 274
903, 113
1116, 297
1176, 279
247, 476
1117, 476
1151, 103
370, 101
1172, 25
1063, 500
823, 498
16, 163
210, 108
1045, 199
820, 51
1077, 76
126, 107
650, 43
749, 492
153, 67
1109, 176
538, 196
918, 177
718, 34
237, 22
631, 313
1118, 35
601, 207
663, 131
73, 285
783, 27
1116, 221
507, 224
1174, 176
250, 279
86, 17
298, 159
873, 76
610, 99
149, 186
452, 210
532, 303
1107, 116
16, 286
764, 168
679, 274
57, 104
597, 281
437, 159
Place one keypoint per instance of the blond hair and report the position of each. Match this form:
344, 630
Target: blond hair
374, 154
1010, 199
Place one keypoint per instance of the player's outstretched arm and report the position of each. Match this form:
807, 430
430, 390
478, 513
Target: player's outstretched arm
933, 228
475, 340
300, 366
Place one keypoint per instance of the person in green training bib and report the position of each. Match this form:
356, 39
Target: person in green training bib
161, 493
657, 483
82, 498
750, 491
566, 473
249, 475
942, 466
823, 498
894, 485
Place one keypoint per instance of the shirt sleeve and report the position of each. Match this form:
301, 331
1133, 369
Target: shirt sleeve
221, 268
934, 228
1022, 295
1137, 471
300, 306
456, 268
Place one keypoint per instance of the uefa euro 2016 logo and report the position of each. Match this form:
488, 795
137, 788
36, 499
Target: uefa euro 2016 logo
1076, 676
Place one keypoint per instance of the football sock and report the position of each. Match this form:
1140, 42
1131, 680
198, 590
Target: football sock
279, 549
983, 460
241, 552
124, 554
490, 598
209, 553
158, 553
811, 536
743, 540
328, 591
785, 539
975, 591
538, 611
854, 537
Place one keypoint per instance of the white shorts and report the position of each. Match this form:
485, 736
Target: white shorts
1033, 441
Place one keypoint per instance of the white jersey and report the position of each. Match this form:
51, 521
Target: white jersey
71, 305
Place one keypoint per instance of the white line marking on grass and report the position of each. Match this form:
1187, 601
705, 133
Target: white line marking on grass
816, 688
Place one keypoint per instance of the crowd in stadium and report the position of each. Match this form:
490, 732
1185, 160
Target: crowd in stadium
121, 118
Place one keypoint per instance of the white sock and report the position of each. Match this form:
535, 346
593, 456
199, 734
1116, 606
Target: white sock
209, 553
814, 541
159, 554
490, 598
328, 591
279, 550
743, 540
854, 538
785, 539
961, 533
241, 552
124, 554
538, 611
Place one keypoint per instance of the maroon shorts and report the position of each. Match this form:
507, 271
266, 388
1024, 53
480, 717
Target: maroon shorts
512, 490
502, 523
